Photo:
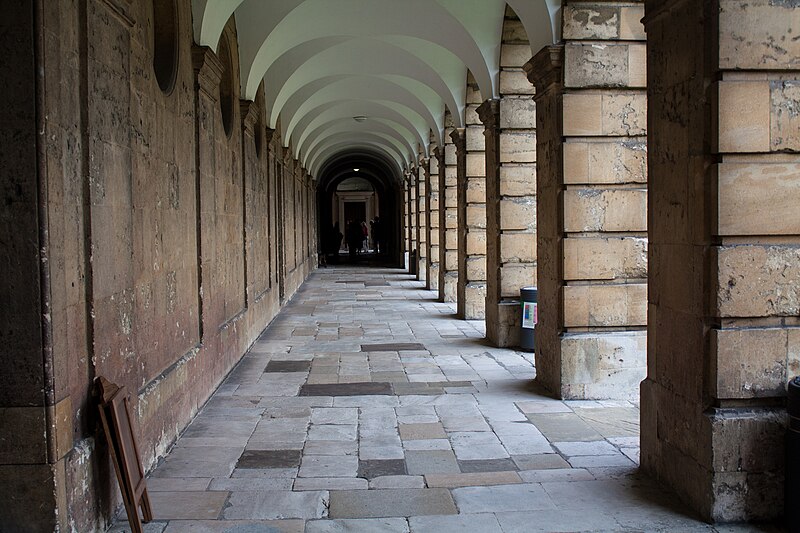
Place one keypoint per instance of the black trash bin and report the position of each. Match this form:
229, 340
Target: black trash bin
792, 481
530, 316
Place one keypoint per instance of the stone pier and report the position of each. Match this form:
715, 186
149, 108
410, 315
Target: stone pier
724, 290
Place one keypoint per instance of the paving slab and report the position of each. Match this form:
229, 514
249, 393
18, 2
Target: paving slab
520, 497
431, 462
391, 502
364, 525
269, 459
451, 481
487, 465
373, 468
322, 466
188, 505
397, 482
272, 505
235, 526
483, 523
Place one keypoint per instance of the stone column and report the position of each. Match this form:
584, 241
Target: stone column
433, 219
407, 217
592, 177
510, 211
472, 214
422, 219
724, 230
412, 218
448, 206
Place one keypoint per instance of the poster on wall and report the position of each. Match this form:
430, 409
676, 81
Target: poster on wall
530, 315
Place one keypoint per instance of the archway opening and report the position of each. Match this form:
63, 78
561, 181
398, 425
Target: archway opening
359, 195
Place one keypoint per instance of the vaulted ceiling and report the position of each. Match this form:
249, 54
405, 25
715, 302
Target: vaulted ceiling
369, 75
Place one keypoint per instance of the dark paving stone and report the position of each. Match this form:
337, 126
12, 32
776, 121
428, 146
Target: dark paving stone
376, 283
449, 384
392, 347
269, 459
487, 465
416, 389
381, 467
390, 502
347, 389
288, 366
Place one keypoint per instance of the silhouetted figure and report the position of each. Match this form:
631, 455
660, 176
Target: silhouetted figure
333, 243
354, 237
364, 237
377, 236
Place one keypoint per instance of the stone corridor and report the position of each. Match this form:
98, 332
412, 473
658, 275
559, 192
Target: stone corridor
366, 406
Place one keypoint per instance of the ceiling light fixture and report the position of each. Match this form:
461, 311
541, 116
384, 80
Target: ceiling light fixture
356, 169
360, 118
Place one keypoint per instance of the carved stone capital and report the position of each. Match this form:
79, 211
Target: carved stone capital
545, 70
489, 113
249, 113
459, 137
208, 71
268, 134
438, 153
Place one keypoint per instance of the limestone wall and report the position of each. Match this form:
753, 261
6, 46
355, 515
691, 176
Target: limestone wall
159, 239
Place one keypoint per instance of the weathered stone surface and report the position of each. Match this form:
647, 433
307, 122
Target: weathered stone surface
753, 35
517, 113
611, 114
758, 199
609, 365
605, 258
749, 363
605, 210
744, 116
758, 280
517, 147
605, 162
605, 305
605, 65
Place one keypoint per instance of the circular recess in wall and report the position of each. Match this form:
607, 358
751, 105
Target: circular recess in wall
226, 93
165, 43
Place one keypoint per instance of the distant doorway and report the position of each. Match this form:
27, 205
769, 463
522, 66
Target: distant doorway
355, 211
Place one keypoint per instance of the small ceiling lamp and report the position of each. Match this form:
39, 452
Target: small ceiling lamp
356, 169
360, 118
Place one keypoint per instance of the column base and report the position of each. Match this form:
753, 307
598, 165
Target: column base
503, 323
450, 287
432, 281
422, 270
603, 365
726, 463
475, 301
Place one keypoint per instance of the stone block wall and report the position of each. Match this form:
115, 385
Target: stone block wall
593, 203
723, 324
421, 209
472, 212
156, 231
432, 206
448, 217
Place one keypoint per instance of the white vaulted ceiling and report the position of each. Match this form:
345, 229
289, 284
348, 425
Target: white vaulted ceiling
399, 63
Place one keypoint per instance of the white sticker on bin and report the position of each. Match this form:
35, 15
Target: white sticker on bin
530, 315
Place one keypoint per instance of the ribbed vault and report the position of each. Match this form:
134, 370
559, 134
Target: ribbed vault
395, 66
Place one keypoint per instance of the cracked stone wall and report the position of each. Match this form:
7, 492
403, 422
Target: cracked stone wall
723, 335
593, 203
156, 231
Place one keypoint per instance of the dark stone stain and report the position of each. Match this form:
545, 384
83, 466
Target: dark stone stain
269, 459
381, 467
288, 366
487, 465
347, 389
392, 347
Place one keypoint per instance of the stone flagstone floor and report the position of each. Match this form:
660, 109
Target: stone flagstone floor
366, 406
